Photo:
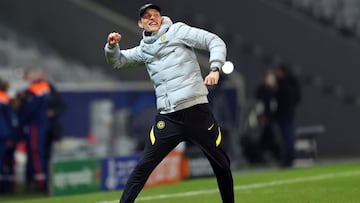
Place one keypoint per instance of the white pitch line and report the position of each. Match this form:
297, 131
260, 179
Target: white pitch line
247, 187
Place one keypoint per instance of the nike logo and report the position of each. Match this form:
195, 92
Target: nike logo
212, 125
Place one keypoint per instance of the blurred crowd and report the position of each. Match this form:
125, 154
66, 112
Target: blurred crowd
30, 121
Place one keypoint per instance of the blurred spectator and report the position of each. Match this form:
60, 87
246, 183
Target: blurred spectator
266, 108
288, 96
33, 122
56, 107
6, 139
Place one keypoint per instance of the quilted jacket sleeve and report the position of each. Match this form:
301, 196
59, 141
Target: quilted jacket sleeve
202, 39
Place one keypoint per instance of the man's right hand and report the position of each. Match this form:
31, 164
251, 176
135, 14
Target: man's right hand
113, 39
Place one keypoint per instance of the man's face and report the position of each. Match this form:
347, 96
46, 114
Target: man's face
151, 20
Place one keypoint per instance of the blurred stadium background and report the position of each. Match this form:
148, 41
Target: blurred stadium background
107, 108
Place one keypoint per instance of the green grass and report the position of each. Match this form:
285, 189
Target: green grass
337, 183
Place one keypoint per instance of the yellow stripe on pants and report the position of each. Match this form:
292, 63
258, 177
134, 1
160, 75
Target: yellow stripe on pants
218, 139
152, 136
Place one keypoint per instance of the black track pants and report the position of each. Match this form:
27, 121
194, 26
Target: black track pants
195, 124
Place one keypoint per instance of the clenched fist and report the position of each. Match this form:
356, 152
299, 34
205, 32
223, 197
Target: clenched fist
212, 78
113, 39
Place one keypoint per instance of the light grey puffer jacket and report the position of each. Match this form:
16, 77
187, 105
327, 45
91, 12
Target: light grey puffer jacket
171, 63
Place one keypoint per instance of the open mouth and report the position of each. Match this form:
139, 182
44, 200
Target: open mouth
152, 24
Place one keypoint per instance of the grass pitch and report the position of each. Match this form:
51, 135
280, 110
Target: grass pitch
336, 183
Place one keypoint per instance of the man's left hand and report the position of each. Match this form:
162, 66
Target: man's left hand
212, 78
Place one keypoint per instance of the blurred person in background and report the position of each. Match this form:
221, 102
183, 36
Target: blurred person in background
184, 114
56, 107
33, 124
288, 96
267, 107
7, 125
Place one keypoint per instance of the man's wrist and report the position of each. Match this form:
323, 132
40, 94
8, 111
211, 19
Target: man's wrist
214, 69
111, 46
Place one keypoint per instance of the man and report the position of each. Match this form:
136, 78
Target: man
56, 107
266, 96
33, 123
288, 96
182, 104
6, 136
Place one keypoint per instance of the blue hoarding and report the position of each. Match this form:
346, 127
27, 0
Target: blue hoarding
116, 171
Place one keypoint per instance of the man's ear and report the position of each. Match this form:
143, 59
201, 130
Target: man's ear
140, 24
